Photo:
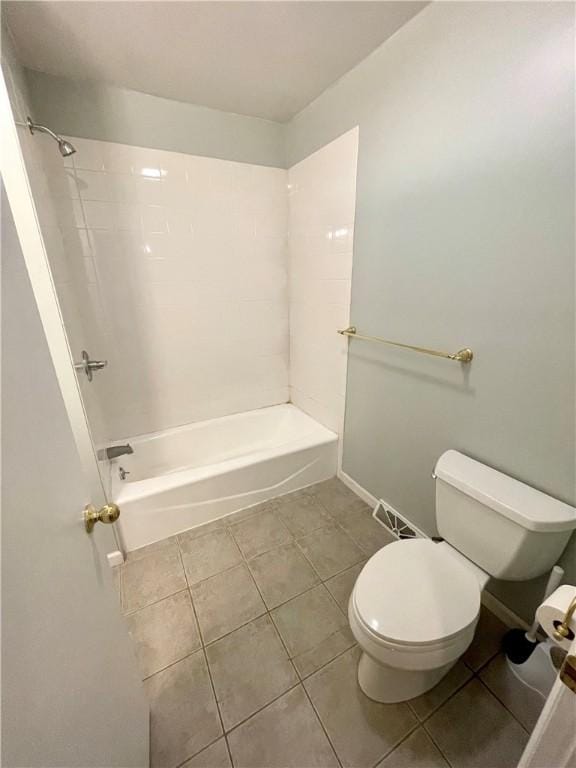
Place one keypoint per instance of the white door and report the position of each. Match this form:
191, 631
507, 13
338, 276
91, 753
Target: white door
71, 693
553, 741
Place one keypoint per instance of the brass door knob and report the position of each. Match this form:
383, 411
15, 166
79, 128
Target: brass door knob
109, 513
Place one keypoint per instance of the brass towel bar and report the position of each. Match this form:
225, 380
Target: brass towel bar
462, 356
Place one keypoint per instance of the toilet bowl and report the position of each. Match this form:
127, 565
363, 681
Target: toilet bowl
415, 604
413, 612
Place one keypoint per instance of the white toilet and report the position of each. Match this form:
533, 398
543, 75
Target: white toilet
415, 604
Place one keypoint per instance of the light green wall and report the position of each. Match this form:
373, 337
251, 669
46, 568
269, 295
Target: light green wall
464, 237
99, 111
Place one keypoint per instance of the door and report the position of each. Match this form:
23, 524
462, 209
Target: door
71, 693
553, 741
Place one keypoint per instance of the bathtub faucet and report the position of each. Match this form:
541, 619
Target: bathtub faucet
114, 451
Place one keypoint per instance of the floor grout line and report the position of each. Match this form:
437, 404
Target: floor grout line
301, 682
397, 744
172, 664
451, 695
155, 602
433, 740
336, 755
199, 751
204, 654
293, 541
262, 708
495, 695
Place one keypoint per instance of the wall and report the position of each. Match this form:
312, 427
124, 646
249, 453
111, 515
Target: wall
322, 196
47, 172
100, 111
464, 236
173, 268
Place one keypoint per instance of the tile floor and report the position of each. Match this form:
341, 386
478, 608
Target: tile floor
242, 638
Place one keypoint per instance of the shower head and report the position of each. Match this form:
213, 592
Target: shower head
65, 147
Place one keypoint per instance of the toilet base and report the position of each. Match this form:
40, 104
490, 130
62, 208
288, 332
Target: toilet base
388, 686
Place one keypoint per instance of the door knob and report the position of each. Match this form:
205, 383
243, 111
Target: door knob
109, 513
88, 366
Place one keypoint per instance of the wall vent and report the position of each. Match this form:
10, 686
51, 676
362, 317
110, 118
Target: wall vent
396, 523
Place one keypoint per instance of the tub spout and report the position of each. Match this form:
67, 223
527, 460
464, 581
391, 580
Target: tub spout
114, 451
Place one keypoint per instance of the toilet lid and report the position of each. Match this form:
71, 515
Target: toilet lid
415, 592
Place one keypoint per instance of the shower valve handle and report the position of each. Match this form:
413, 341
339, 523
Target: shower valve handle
88, 366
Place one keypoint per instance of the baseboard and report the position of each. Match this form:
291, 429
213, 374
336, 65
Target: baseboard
372, 501
501, 611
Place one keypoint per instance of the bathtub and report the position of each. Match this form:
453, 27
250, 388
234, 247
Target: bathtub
190, 475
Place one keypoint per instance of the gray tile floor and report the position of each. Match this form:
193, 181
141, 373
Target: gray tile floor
242, 638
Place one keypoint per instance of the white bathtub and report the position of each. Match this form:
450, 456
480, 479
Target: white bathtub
190, 475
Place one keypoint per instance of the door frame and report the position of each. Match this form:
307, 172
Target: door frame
19, 193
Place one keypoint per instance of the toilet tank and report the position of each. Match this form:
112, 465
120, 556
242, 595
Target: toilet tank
512, 531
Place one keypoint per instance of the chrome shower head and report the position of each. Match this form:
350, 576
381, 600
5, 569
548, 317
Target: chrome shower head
65, 147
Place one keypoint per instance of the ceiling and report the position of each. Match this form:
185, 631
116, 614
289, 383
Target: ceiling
266, 59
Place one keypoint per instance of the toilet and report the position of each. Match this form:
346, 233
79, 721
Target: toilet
415, 605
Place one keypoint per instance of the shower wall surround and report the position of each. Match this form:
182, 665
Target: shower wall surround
322, 195
174, 268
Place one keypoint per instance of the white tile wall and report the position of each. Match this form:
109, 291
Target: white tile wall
174, 268
322, 198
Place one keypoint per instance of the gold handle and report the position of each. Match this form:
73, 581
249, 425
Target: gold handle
109, 513
562, 629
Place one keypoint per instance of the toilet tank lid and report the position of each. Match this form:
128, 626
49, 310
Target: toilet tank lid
526, 506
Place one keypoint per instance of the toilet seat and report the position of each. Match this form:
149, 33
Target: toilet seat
413, 594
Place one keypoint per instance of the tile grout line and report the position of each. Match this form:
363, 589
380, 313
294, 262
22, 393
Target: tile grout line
205, 656
199, 752
433, 740
253, 714
401, 741
487, 687
262, 708
155, 602
435, 709
336, 755
269, 614
424, 723
172, 664
300, 680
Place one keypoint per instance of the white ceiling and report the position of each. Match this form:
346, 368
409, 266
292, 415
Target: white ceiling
267, 59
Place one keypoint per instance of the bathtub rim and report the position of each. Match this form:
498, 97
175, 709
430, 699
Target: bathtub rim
140, 489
